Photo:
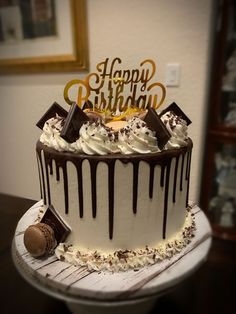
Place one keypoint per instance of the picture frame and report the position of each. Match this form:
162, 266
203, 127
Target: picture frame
40, 55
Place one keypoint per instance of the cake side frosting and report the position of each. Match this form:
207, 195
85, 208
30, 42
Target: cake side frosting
123, 260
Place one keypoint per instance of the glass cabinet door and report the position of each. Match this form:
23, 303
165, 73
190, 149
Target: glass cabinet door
222, 201
218, 188
227, 104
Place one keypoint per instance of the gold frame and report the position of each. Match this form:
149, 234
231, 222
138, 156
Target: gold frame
78, 61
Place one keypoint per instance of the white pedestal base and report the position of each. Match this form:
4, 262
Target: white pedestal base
141, 306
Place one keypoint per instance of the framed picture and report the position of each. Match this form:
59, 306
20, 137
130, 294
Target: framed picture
43, 36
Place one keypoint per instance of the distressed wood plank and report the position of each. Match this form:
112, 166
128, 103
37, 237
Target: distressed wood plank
56, 269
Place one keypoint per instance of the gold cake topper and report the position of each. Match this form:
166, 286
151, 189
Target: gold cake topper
117, 90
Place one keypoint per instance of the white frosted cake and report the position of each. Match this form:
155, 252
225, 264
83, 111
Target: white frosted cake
118, 179
119, 193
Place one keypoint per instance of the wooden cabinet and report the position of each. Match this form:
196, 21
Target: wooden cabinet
218, 188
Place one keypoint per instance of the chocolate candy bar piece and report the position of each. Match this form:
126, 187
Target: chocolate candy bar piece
154, 123
87, 105
50, 113
51, 218
176, 109
74, 120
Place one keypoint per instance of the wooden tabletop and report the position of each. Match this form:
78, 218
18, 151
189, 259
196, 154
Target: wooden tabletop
209, 290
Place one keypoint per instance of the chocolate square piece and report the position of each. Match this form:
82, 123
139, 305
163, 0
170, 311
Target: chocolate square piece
74, 120
176, 109
50, 113
154, 122
51, 218
87, 105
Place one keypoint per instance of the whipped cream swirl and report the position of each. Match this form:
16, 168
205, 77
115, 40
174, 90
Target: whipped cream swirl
95, 138
136, 137
178, 129
51, 135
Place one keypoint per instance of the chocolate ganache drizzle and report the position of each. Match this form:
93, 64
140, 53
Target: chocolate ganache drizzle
163, 159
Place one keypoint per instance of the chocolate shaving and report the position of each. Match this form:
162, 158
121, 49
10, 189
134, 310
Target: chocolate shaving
177, 111
122, 254
50, 113
154, 122
52, 219
62, 258
74, 121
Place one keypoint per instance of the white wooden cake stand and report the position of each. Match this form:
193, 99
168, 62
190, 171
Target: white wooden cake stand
103, 292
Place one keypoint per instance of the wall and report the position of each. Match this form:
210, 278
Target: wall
163, 30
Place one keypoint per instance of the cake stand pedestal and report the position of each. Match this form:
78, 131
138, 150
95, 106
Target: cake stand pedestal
93, 292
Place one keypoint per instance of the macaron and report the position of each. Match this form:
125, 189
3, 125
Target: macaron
39, 239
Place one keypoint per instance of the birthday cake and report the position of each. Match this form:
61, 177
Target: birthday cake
114, 180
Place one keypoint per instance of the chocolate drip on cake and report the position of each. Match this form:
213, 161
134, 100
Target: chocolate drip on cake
162, 159
93, 168
48, 157
80, 188
135, 185
40, 181
186, 171
65, 187
61, 164
182, 171
111, 173
48, 164
188, 175
162, 175
175, 178
57, 173
43, 179
48, 184
151, 178
167, 177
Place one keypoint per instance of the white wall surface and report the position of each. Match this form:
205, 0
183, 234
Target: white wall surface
163, 30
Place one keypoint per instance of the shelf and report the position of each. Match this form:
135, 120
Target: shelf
224, 233
223, 132
226, 90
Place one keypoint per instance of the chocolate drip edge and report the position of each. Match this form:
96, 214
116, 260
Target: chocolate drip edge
162, 159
